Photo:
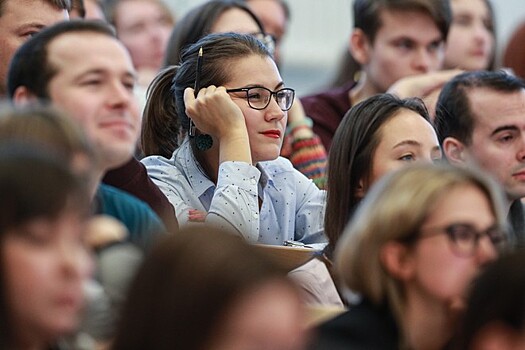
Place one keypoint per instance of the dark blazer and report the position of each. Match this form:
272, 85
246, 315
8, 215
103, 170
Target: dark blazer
364, 326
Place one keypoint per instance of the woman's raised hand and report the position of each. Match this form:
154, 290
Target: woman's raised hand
214, 113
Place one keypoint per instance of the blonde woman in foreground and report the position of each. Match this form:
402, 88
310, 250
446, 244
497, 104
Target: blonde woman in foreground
416, 242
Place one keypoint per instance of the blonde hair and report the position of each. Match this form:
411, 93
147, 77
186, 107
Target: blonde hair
394, 210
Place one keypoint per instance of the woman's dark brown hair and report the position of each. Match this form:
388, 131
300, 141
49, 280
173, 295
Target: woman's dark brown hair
186, 285
350, 158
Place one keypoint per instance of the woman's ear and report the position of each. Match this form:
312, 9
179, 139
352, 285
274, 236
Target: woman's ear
359, 46
396, 259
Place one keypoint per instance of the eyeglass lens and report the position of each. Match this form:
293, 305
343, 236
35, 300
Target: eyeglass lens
466, 237
259, 98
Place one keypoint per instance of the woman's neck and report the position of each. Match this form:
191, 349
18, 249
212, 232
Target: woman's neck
428, 324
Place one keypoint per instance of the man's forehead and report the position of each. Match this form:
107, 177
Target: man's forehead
490, 106
75, 47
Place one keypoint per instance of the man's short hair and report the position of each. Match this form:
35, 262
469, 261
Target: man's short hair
61, 4
367, 13
30, 66
455, 116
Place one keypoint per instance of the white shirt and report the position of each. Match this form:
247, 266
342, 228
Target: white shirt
292, 206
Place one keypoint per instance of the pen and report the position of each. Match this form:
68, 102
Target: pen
197, 87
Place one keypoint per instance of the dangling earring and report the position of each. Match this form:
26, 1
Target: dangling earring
202, 141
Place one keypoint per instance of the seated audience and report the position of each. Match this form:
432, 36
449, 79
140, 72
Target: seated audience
378, 135
228, 170
161, 131
205, 289
81, 68
116, 258
395, 54
418, 239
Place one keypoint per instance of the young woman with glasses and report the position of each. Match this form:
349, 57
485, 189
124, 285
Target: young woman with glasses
414, 246
161, 131
228, 171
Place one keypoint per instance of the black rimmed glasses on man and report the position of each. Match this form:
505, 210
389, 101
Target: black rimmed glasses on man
259, 97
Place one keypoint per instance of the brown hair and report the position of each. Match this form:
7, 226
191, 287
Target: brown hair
186, 285
367, 13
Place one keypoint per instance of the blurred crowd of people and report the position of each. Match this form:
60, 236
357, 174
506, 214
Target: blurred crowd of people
161, 186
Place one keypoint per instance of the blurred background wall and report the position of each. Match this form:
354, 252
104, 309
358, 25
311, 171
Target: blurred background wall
319, 31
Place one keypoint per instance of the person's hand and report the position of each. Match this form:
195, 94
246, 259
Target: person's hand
195, 215
214, 112
103, 230
422, 85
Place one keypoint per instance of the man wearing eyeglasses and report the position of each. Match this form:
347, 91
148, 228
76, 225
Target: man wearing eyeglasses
480, 121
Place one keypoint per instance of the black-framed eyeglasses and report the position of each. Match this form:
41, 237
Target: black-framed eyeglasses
259, 97
465, 238
267, 40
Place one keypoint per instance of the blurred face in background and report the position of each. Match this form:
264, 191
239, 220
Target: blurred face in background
273, 17
46, 264
235, 20
407, 43
270, 317
239, 21
20, 20
144, 28
470, 41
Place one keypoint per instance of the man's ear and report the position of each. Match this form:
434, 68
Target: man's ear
397, 260
455, 151
359, 46
23, 97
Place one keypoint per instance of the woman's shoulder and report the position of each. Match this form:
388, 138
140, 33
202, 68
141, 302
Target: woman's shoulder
362, 327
